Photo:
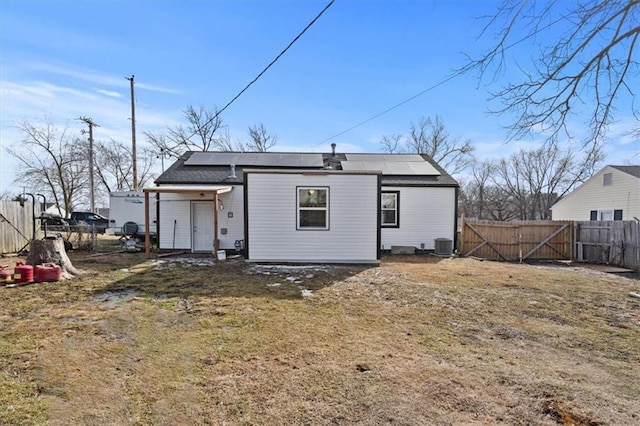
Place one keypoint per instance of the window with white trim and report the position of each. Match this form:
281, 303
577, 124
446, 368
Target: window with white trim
390, 205
606, 215
313, 208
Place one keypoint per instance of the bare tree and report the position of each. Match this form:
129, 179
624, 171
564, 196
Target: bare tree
51, 162
475, 190
482, 198
587, 69
114, 166
202, 132
430, 136
261, 139
533, 180
392, 143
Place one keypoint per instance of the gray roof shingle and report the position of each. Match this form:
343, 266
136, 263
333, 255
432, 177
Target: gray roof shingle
632, 170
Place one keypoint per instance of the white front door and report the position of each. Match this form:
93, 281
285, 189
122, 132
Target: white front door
202, 229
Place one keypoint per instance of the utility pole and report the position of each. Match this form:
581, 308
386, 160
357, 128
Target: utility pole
91, 125
133, 134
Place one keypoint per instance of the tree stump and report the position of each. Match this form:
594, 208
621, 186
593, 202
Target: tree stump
51, 250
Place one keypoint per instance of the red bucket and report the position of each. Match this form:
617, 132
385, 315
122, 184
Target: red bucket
23, 273
47, 272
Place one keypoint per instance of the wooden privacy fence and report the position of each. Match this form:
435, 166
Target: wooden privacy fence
16, 225
522, 240
611, 242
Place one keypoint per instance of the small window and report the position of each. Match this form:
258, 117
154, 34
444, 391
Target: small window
313, 208
607, 179
390, 204
605, 215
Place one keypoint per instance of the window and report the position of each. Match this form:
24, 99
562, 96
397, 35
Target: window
390, 203
606, 215
313, 208
607, 179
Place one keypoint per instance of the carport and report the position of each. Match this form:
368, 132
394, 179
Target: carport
215, 190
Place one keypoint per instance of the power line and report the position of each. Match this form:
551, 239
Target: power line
267, 67
440, 83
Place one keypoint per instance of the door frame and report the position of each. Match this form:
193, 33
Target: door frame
214, 216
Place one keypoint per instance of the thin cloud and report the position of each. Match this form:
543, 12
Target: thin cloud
109, 93
160, 89
93, 76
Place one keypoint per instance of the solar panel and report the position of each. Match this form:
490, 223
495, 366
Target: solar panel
393, 167
385, 157
264, 159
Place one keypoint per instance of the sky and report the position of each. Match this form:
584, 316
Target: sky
66, 59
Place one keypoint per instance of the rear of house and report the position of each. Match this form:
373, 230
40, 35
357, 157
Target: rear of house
305, 207
324, 216
611, 194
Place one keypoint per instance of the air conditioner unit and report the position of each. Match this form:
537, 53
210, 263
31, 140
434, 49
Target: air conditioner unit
443, 246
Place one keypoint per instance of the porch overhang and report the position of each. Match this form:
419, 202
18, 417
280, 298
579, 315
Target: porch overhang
215, 190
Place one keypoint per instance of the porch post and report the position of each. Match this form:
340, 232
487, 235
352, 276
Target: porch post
215, 225
147, 243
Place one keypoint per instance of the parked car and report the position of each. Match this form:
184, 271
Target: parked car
54, 224
90, 220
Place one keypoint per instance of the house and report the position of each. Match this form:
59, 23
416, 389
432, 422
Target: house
304, 207
611, 194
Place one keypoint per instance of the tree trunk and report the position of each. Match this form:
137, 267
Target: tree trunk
51, 250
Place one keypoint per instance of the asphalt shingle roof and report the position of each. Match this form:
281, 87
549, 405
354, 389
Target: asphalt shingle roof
632, 170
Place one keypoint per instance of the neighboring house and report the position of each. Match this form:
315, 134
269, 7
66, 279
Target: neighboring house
304, 207
53, 210
611, 194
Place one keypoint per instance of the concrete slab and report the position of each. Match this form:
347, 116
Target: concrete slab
604, 268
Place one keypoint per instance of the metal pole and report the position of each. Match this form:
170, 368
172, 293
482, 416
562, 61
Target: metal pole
91, 125
33, 214
44, 203
91, 185
133, 134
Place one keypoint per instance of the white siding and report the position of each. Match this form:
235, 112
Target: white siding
177, 207
426, 213
623, 194
174, 207
353, 219
231, 202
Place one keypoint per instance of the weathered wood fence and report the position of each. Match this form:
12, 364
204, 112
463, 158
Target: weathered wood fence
611, 242
16, 225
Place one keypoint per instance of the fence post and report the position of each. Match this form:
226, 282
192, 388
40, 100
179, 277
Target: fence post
574, 240
461, 239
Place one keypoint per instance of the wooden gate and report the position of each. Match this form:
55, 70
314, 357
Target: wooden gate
522, 240
16, 225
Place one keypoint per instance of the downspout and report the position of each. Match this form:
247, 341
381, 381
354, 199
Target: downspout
455, 218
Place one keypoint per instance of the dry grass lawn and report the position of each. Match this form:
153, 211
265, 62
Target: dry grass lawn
417, 340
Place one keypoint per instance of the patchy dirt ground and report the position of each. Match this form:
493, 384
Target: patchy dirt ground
418, 340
